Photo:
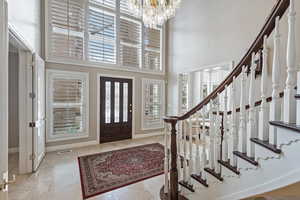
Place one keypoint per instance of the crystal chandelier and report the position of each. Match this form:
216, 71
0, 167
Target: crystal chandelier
154, 12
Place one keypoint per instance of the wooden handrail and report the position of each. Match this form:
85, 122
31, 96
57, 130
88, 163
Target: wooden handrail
277, 11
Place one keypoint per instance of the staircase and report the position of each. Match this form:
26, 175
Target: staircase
249, 145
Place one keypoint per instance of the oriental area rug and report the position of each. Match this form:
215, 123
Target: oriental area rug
107, 171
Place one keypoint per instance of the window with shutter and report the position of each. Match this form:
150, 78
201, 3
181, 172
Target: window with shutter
102, 36
130, 42
67, 105
152, 49
101, 31
153, 104
67, 27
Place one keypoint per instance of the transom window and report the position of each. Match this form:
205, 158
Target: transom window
101, 31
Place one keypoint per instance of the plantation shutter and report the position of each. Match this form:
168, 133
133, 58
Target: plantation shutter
152, 49
67, 28
104, 3
130, 42
102, 36
67, 106
124, 8
153, 103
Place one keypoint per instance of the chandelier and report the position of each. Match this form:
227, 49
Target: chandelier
154, 12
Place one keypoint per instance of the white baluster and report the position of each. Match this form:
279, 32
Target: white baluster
242, 128
263, 129
211, 136
225, 127
199, 133
289, 115
217, 134
204, 146
191, 161
166, 162
251, 132
275, 106
179, 139
234, 132
185, 173
298, 101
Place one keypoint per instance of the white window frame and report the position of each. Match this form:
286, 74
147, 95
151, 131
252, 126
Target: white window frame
50, 74
162, 84
103, 65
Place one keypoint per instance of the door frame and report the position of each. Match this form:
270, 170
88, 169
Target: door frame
98, 101
25, 102
4, 93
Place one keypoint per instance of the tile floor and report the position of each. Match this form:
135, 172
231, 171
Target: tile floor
58, 177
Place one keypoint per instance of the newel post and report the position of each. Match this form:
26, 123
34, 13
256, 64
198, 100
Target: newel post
173, 192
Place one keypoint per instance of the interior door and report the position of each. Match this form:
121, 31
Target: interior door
3, 100
38, 110
115, 109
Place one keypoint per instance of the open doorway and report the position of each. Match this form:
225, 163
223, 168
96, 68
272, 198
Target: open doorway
13, 109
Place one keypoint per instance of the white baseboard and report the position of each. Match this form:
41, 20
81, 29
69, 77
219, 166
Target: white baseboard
70, 146
13, 150
136, 136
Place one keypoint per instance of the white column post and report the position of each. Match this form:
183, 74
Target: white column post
275, 106
225, 122
234, 132
242, 128
263, 126
289, 115
166, 162
251, 132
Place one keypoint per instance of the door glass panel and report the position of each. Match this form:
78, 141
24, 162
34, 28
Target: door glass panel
107, 102
117, 102
125, 102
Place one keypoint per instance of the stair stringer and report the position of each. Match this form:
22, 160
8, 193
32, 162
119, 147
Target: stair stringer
270, 175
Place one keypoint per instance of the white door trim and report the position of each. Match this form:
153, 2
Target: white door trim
25, 112
4, 97
98, 101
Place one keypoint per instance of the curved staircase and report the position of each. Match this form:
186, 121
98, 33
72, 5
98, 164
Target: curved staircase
238, 142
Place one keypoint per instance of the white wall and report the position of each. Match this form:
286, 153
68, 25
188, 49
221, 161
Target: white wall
25, 16
211, 32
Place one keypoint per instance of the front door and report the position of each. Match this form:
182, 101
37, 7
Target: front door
3, 100
38, 111
115, 109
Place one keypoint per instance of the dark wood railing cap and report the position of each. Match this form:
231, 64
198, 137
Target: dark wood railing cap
170, 119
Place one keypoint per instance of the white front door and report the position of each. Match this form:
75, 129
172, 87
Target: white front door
38, 111
3, 100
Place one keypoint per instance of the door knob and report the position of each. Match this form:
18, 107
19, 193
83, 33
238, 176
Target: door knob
3, 186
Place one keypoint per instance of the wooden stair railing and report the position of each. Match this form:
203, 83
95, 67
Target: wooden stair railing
171, 188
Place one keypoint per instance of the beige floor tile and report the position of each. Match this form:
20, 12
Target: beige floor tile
58, 177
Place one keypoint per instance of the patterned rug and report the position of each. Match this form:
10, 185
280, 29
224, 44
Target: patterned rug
107, 171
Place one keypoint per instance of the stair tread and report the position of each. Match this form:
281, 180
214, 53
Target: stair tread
246, 158
230, 167
267, 145
291, 126
214, 174
199, 179
187, 186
